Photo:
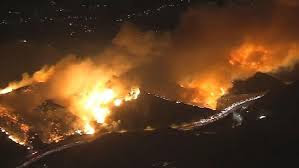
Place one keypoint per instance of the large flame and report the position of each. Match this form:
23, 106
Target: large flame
252, 56
86, 90
207, 91
196, 63
96, 104
40, 76
92, 105
259, 57
243, 61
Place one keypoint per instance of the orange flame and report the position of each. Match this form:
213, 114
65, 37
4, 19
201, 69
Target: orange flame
82, 87
98, 103
40, 76
208, 91
253, 57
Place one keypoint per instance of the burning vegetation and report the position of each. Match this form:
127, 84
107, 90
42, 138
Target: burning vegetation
66, 99
196, 64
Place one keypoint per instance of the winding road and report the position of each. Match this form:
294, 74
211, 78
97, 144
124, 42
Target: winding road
225, 112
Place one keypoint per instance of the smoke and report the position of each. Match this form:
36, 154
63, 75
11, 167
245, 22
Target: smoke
214, 45
87, 87
289, 2
196, 63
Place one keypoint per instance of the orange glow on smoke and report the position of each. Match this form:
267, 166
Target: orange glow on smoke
252, 57
208, 91
84, 89
40, 76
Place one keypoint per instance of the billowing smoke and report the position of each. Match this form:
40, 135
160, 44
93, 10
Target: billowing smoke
215, 45
87, 87
196, 63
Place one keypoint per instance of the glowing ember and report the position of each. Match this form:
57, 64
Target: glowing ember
118, 102
24, 128
55, 138
89, 129
16, 140
13, 138
135, 92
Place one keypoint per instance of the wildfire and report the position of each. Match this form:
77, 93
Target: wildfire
207, 91
84, 88
7, 90
133, 94
89, 130
253, 57
40, 76
92, 102
213, 94
96, 104
16, 140
118, 102
13, 138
